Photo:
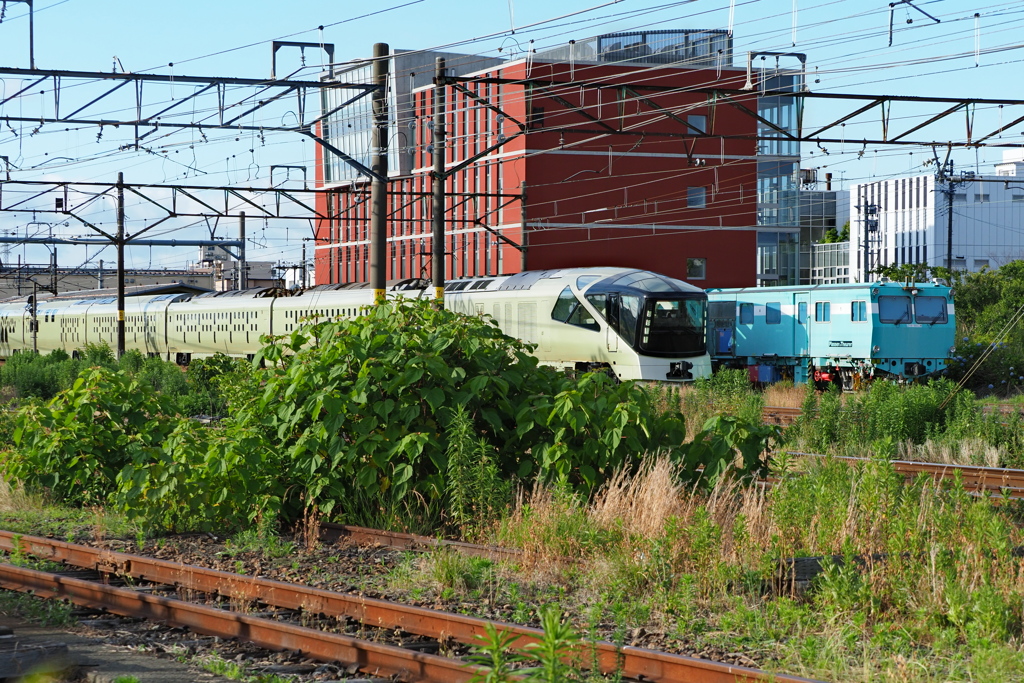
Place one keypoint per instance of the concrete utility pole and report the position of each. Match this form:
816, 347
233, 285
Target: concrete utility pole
120, 264
379, 166
438, 179
946, 171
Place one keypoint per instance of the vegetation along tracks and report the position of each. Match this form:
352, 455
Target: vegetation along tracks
629, 662
999, 481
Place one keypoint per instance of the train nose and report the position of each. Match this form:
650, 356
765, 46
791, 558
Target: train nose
679, 370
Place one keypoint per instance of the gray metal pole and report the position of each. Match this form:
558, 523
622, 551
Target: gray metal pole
35, 317
31, 36
438, 178
242, 268
120, 264
525, 238
303, 270
379, 165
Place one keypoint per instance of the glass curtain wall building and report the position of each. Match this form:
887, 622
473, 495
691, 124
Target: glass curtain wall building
778, 183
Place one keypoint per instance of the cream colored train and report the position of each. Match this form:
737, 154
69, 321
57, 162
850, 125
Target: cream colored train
635, 324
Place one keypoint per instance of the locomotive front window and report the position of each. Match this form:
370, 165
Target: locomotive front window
674, 327
894, 309
930, 309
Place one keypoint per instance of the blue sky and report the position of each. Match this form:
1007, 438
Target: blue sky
846, 43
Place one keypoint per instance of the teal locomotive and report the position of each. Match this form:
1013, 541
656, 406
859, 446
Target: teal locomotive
843, 334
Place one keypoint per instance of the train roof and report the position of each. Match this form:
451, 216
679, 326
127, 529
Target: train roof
586, 278
884, 284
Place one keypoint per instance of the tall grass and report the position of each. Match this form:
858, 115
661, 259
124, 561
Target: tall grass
925, 573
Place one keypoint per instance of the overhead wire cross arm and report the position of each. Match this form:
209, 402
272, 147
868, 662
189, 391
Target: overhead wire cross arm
90, 98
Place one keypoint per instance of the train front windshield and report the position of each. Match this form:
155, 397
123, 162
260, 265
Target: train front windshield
673, 327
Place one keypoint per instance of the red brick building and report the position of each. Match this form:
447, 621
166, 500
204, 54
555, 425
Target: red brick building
607, 157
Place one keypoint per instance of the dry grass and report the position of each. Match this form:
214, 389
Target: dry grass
785, 395
639, 504
14, 499
966, 452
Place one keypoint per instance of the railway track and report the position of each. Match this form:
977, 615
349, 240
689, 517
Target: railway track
998, 481
630, 662
778, 415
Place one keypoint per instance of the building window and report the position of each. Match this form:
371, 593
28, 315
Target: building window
746, 314
1018, 197
773, 313
981, 197
695, 197
980, 263
696, 268
959, 196
823, 312
859, 311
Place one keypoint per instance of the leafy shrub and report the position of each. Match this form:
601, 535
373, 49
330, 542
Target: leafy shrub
356, 408
75, 445
200, 478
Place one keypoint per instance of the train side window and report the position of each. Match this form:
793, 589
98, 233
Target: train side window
823, 311
894, 309
564, 305
801, 313
773, 313
600, 302
859, 311
931, 309
746, 314
581, 317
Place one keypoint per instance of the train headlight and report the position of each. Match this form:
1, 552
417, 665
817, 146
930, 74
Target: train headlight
952, 350
876, 349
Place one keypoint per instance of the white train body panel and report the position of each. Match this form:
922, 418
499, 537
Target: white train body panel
636, 324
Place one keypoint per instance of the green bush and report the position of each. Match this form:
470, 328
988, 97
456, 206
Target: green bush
74, 446
356, 408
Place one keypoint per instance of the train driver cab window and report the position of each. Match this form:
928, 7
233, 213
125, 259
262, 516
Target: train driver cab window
894, 309
746, 314
773, 313
823, 311
859, 311
930, 309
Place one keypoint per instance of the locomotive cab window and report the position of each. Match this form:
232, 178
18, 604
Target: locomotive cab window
823, 311
746, 314
859, 311
773, 313
894, 309
930, 309
672, 326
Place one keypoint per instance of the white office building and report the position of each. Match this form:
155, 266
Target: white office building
906, 220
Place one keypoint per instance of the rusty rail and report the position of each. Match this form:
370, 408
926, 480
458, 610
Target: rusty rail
373, 658
976, 479
631, 662
402, 541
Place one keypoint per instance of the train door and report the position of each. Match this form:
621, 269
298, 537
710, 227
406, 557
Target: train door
801, 336
611, 331
801, 326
